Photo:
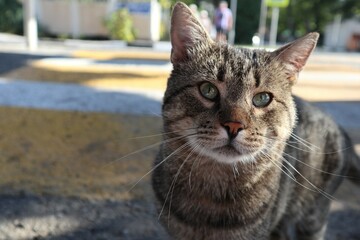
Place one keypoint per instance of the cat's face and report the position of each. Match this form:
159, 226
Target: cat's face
229, 104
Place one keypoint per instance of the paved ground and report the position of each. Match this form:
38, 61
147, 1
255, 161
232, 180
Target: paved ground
70, 114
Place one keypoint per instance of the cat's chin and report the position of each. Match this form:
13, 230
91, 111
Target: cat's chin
231, 158
229, 154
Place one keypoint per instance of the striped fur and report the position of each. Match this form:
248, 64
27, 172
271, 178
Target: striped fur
276, 178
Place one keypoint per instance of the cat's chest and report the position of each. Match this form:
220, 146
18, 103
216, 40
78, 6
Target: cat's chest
233, 197
217, 185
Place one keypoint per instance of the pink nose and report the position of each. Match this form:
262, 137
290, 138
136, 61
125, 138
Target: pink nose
233, 128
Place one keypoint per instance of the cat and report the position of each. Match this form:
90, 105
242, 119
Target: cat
242, 158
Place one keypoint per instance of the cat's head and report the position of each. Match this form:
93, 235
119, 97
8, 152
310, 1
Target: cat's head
228, 103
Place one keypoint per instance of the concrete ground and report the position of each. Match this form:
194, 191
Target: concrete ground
73, 114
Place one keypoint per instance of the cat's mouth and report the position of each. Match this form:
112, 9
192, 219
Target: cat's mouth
230, 149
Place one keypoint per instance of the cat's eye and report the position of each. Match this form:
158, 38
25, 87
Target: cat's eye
262, 99
209, 91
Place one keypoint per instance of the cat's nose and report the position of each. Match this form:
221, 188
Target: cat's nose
233, 128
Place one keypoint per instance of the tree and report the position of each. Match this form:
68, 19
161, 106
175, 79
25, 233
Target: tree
11, 16
350, 8
168, 3
247, 20
120, 26
302, 16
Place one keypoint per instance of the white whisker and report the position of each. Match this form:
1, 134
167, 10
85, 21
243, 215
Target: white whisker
162, 161
319, 190
290, 175
198, 158
147, 148
161, 134
173, 183
303, 141
176, 177
317, 169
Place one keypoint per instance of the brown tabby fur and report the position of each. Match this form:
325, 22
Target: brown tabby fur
277, 177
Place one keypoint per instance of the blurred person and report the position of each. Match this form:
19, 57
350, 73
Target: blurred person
205, 21
194, 10
223, 21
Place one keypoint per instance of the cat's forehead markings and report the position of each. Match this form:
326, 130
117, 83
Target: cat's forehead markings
221, 74
256, 74
256, 70
255, 58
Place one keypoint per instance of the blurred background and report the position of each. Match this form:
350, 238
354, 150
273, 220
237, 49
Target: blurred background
148, 20
81, 85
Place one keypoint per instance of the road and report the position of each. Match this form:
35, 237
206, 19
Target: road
69, 117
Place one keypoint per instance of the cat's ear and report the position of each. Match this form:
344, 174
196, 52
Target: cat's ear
186, 33
295, 54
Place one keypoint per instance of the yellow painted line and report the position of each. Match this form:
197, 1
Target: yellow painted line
107, 55
90, 76
75, 154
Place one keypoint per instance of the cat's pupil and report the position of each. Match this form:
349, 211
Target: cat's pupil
262, 99
208, 90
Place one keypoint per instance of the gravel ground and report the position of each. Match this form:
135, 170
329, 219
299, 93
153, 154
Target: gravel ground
26, 216
47, 217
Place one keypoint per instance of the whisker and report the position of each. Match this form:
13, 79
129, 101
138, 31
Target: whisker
147, 148
292, 177
172, 183
290, 144
197, 159
325, 194
161, 134
157, 165
306, 143
177, 175
235, 170
319, 190
317, 169
316, 189
289, 173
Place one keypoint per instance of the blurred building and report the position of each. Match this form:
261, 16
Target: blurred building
343, 35
81, 18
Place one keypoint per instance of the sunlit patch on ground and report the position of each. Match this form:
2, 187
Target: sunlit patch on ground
64, 174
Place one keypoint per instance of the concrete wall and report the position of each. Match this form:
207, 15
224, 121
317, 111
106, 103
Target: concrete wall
86, 18
73, 17
338, 34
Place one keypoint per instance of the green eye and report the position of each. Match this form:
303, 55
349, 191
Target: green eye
262, 99
209, 91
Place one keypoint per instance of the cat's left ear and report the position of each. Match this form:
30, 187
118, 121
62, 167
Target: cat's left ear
187, 33
295, 54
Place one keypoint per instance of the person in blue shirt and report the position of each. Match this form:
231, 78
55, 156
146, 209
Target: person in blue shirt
223, 21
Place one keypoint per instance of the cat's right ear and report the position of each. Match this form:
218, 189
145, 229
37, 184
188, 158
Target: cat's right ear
295, 54
187, 34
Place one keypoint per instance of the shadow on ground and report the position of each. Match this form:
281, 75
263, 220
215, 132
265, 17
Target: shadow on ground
53, 181
12, 61
48, 217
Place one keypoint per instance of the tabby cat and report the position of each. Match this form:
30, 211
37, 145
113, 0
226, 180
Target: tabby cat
241, 157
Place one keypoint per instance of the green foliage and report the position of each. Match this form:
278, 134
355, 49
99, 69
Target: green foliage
120, 25
168, 3
11, 17
303, 16
247, 20
350, 8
